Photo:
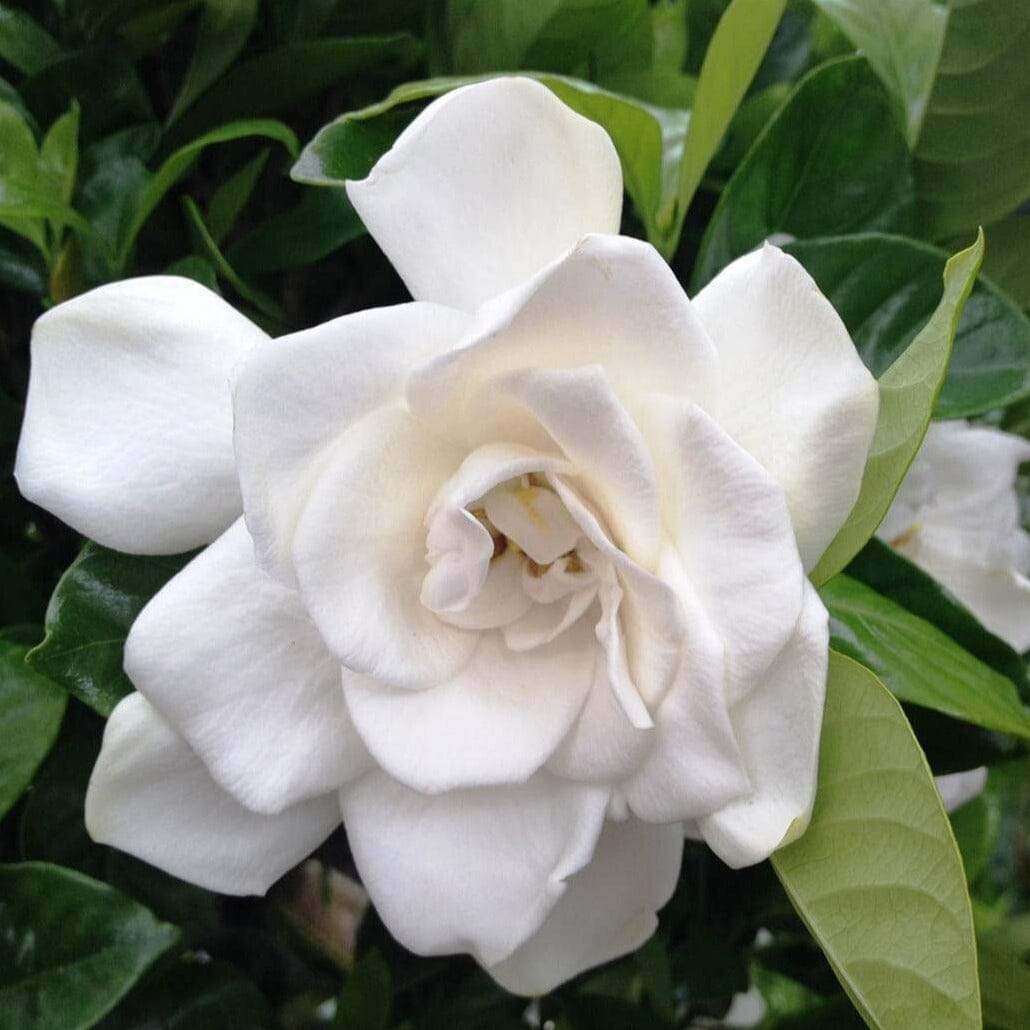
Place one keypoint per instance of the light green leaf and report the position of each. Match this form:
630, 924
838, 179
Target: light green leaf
59, 155
649, 140
917, 661
19, 159
902, 40
877, 877
31, 709
222, 33
231, 197
94, 604
176, 166
731, 61
973, 154
24, 43
886, 287
836, 128
908, 393
70, 947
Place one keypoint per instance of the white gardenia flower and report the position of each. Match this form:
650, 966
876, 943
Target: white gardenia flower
957, 517
530, 591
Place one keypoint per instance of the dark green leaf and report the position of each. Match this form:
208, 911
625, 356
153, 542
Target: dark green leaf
908, 393
832, 161
367, 997
231, 197
70, 947
976, 825
877, 877
24, 43
31, 709
917, 661
95, 603
1007, 260
1005, 984
198, 269
886, 287
221, 35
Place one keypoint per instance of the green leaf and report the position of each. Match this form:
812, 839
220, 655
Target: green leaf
321, 223
176, 166
976, 825
31, 709
832, 161
649, 140
908, 393
1005, 983
19, 160
1007, 259
367, 996
891, 573
731, 61
886, 287
90, 612
24, 43
231, 197
59, 155
222, 33
973, 156
281, 79
877, 877
70, 947
917, 661
902, 40
199, 269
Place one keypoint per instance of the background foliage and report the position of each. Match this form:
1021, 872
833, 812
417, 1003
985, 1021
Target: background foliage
147, 136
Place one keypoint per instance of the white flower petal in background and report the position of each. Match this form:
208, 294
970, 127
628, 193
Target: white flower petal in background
233, 663
958, 788
957, 517
794, 391
485, 187
128, 424
607, 910
151, 796
470, 870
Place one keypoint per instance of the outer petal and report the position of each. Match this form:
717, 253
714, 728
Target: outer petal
151, 796
778, 729
293, 399
233, 662
469, 870
359, 552
608, 909
128, 425
485, 187
495, 722
612, 301
795, 392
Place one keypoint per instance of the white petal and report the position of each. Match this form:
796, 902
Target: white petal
794, 391
958, 788
151, 796
458, 549
128, 424
612, 301
502, 600
469, 870
778, 729
694, 765
535, 519
495, 722
608, 909
489, 184
232, 661
543, 623
295, 397
359, 551
583, 416
734, 537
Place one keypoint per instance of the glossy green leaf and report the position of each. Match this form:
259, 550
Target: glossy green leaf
886, 287
1007, 260
877, 877
885, 570
284, 77
231, 197
831, 161
221, 35
902, 40
31, 709
973, 156
917, 661
366, 998
908, 393
24, 43
649, 140
90, 612
70, 947
731, 61
176, 166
